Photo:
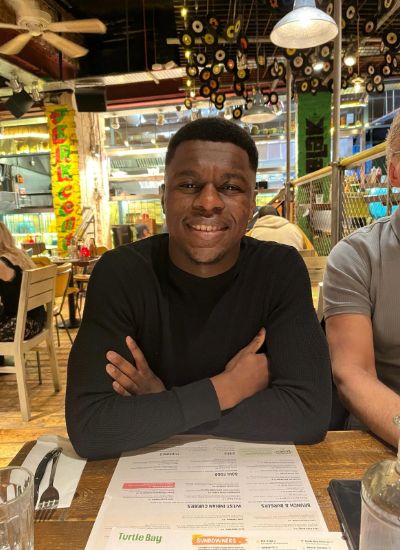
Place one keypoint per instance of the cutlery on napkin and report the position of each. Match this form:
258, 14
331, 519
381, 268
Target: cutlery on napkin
69, 469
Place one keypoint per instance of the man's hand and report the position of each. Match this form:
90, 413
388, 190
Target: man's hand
132, 379
246, 374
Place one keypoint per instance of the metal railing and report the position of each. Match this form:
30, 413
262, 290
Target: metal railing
331, 203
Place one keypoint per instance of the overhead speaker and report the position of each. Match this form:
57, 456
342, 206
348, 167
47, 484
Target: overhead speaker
19, 104
91, 100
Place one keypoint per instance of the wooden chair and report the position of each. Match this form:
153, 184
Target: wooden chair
316, 268
37, 289
61, 292
41, 261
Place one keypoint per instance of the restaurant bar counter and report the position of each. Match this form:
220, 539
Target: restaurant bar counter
342, 455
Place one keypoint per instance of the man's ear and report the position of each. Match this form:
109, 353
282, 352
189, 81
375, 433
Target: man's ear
162, 188
394, 174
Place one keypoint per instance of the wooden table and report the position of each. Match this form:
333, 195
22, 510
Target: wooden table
341, 455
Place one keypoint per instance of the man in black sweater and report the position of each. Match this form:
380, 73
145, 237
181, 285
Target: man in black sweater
200, 330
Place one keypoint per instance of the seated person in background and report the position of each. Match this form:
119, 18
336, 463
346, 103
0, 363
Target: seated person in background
12, 262
362, 311
142, 231
173, 323
270, 226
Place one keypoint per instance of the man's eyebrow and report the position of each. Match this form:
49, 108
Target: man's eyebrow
192, 173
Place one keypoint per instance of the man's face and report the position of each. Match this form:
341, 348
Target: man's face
208, 199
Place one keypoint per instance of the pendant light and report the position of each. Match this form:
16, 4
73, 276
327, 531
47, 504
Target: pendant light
258, 112
304, 27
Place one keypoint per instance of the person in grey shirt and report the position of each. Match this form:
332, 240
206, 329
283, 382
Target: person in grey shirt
362, 311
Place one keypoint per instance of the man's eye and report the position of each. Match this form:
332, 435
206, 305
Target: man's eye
188, 185
230, 187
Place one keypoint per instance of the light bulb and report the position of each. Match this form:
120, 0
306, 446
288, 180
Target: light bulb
188, 53
318, 66
349, 60
184, 12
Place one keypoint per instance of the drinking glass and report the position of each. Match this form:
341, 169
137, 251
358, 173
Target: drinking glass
16, 509
380, 505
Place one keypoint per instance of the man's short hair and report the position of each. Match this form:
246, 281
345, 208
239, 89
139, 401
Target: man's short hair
393, 139
267, 210
214, 129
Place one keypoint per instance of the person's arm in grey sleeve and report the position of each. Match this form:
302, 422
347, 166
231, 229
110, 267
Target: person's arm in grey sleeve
348, 311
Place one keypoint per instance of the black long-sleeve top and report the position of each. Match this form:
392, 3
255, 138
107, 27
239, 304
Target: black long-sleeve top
188, 329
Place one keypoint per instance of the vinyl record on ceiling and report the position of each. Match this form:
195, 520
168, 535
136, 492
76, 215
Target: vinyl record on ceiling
201, 59
217, 69
325, 51
327, 67
187, 103
329, 8
219, 106
314, 91
394, 62
266, 96
192, 70
230, 64
377, 79
242, 43
391, 39
369, 26
387, 5
369, 86
343, 23
229, 33
273, 98
213, 21
307, 70
220, 97
315, 82
220, 55
213, 96
290, 52
205, 90
238, 87
388, 58
297, 62
380, 88
237, 113
197, 26
238, 26
344, 84
209, 38
205, 75
386, 70
371, 69
186, 39
350, 12
281, 72
242, 74
214, 84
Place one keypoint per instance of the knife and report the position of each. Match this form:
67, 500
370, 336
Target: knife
40, 470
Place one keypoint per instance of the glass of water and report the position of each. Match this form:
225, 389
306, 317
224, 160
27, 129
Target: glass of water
16, 509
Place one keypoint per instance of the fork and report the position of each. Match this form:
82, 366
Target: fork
50, 497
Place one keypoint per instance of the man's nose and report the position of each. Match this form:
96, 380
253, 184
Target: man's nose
209, 198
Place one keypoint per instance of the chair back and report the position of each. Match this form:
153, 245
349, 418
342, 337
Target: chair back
41, 261
37, 289
100, 250
62, 279
316, 268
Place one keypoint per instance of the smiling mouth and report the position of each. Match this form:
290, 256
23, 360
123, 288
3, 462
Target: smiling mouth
205, 228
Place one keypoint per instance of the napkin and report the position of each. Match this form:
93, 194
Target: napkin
69, 468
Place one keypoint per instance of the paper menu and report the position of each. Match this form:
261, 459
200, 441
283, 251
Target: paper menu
126, 539
195, 483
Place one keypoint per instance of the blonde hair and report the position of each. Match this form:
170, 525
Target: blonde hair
9, 249
393, 140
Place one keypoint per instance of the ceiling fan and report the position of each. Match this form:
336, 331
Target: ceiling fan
36, 22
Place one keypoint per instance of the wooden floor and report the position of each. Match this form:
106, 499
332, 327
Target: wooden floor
47, 406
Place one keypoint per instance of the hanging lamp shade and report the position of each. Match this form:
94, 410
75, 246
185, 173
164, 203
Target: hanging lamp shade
258, 112
304, 27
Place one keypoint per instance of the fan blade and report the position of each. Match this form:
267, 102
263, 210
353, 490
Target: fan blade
24, 8
15, 45
79, 25
66, 46
9, 26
